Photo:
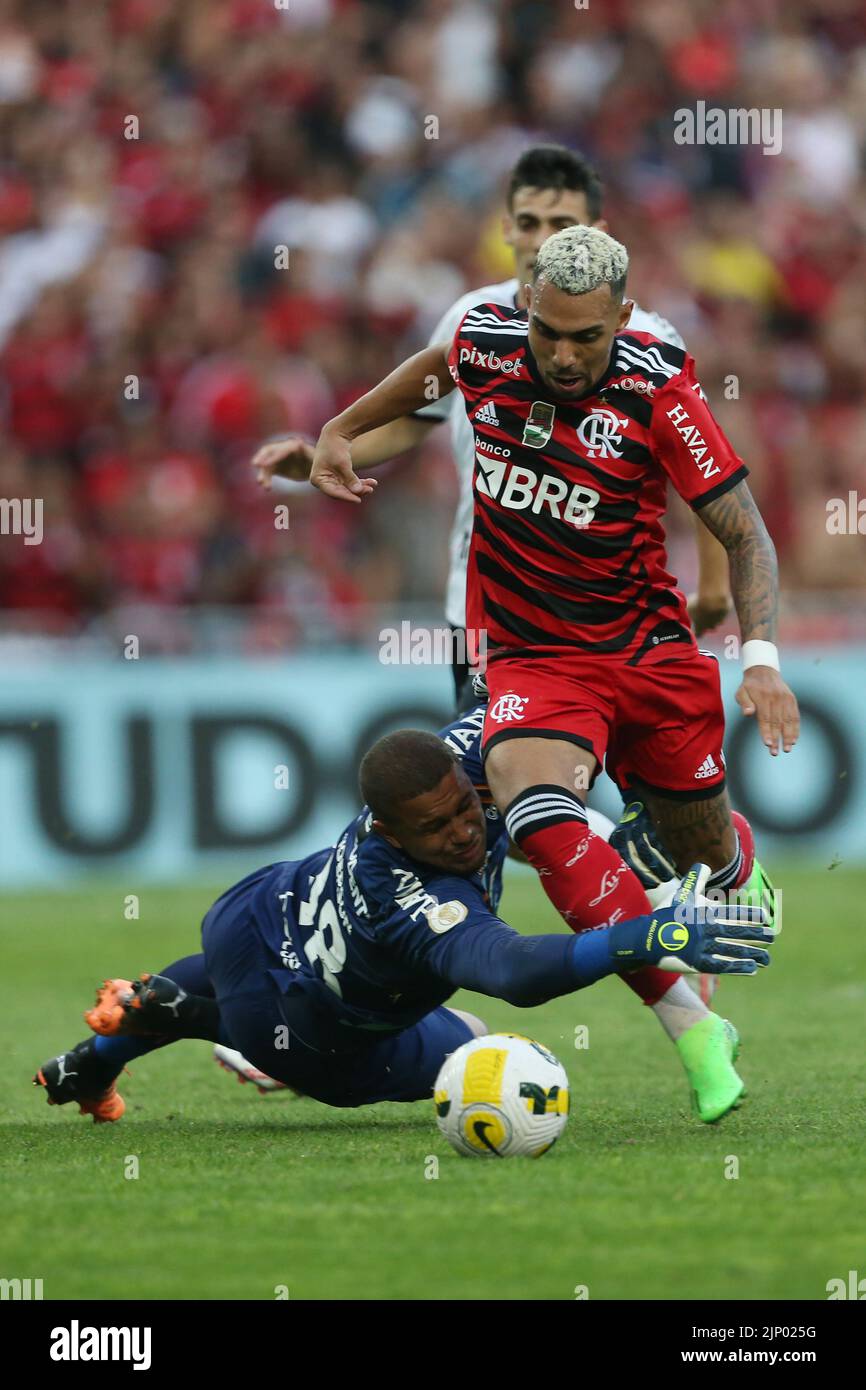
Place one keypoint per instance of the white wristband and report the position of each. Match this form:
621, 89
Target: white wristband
758, 653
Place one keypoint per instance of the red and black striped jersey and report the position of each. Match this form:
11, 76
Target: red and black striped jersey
568, 546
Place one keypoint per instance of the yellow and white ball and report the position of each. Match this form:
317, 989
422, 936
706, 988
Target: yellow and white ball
500, 1096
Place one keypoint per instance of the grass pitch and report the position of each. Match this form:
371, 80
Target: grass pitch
239, 1194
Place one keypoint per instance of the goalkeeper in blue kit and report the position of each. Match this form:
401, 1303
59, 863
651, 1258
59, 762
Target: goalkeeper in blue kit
331, 974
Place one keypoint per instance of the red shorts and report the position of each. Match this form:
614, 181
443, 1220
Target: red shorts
661, 724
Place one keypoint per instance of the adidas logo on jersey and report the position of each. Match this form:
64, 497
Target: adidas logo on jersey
707, 768
489, 361
487, 414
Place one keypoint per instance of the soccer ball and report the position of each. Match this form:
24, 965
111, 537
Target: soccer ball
501, 1095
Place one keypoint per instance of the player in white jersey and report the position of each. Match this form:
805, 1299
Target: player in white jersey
550, 188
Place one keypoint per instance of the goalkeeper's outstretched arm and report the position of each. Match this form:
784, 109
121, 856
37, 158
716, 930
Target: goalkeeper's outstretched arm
690, 935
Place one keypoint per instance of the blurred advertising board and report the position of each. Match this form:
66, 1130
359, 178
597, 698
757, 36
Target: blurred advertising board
169, 769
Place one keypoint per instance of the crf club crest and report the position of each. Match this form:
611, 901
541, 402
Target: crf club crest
508, 708
601, 433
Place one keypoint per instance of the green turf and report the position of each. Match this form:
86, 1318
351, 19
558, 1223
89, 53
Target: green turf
239, 1194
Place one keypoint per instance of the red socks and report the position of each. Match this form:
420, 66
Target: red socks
586, 880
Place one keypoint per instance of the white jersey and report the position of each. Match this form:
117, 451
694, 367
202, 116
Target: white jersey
463, 440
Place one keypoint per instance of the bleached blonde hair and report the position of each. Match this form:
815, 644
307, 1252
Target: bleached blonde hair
580, 259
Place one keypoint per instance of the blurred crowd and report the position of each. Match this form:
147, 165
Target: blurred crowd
156, 154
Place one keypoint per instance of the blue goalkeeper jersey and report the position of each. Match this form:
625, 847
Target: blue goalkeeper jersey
374, 939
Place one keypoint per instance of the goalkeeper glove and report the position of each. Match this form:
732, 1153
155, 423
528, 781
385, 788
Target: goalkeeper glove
636, 840
694, 935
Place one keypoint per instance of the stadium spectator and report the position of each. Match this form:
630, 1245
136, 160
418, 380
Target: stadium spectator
158, 157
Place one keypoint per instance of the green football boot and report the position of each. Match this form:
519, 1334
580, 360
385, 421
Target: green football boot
708, 1051
758, 891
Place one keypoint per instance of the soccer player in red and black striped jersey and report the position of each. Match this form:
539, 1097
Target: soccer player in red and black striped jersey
579, 425
550, 187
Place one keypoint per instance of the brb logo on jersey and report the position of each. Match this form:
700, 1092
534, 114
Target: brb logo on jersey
601, 434
508, 708
520, 488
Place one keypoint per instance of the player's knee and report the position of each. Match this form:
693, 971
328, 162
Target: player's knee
516, 764
477, 1025
503, 777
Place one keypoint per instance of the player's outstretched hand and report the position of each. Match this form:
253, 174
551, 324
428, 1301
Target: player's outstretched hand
332, 471
291, 457
694, 935
765, 694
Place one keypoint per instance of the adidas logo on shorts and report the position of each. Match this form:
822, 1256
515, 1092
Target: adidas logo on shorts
487, 414
707, 768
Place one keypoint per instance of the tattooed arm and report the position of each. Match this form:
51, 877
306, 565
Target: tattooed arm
735, 520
